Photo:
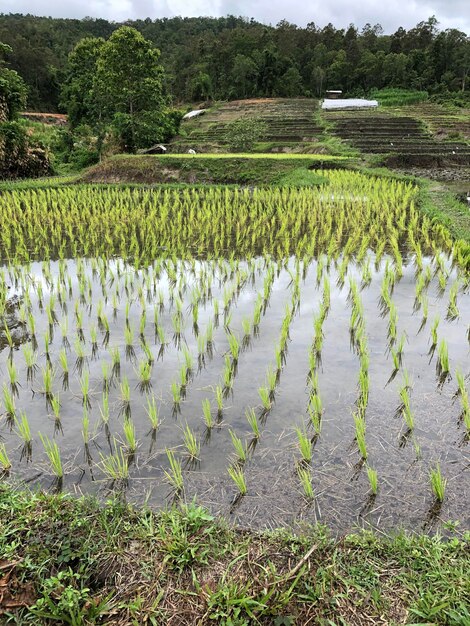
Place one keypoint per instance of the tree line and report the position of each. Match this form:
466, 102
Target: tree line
233, 57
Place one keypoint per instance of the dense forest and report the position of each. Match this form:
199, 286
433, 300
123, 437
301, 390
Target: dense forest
233, 57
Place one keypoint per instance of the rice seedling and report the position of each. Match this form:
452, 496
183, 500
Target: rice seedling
63, 362
305, 444
465, 415
55, 406
234, 346
442, 282
239, 447
253, 423
219, 397
116, 466
5, 463
125, 397
53, 454
210, 334
175, 475
406, 411
116, 362
9, 403
188, 359
438, 483
176, 394
8, 336
129, 341
130, 435
360, 427
452, 309
237, 474
304, 473
442, 365
85, 426
85, 389
246, 326
373, 480
104, 408
145, 374
315, 411
23, 428
30, 359
191, 443
94, 340
81, 359
142, 323
207, 414
265, 397
13, 376
271, 380
64, 332
147, 351
183, 378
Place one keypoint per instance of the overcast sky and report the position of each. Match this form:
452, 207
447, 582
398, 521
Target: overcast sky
391, 15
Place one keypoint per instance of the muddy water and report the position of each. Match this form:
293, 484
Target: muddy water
274, 492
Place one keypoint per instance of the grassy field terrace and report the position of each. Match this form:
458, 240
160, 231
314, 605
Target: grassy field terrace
290, 122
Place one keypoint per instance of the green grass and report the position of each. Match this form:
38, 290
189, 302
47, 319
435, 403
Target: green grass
75, 561
210, 169
393, 96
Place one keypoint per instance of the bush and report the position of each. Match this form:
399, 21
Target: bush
242, 134
146, 128
17, 158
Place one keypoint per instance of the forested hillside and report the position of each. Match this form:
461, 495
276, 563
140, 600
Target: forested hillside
233, 57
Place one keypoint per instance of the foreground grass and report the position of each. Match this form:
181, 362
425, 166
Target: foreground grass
75, 562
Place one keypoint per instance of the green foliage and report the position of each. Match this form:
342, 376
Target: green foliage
242, 134
118, 84
78, 96
13, 92
64, 598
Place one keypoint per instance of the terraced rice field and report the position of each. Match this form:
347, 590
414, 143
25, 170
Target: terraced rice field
289, 122
281, 354
384, 133
442, 122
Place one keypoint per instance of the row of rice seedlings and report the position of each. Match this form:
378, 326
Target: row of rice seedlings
402, 221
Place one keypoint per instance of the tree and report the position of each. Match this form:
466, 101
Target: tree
17, 156
78, 90
290, 83
244, 75
12, 88
119, 82
128, 84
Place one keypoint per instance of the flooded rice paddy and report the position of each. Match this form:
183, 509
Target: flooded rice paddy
326, 386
